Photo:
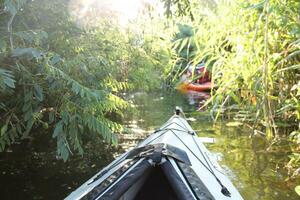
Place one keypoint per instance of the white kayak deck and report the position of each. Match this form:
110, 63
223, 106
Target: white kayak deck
178, 133
184, 139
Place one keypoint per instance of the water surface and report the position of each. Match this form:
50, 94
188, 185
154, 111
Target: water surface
31, 171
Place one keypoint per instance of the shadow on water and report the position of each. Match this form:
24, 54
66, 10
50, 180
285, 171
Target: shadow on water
31, 171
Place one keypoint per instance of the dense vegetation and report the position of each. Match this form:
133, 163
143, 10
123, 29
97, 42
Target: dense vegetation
252, 48
66, 73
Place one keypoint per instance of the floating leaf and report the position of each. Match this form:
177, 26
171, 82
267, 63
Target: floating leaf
234, 124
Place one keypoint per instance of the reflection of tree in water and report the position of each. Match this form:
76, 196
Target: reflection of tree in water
260, 159
33, 169
258, 165
197, 98
251, 167
255, 169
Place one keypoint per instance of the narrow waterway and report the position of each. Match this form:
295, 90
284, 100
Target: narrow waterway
31, 171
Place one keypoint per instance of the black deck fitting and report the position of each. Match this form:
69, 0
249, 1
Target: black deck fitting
177, 110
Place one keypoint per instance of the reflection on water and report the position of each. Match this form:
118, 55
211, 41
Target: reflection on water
257, 173
30, 170
197, 98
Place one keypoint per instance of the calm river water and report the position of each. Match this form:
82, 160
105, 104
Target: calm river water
31, 171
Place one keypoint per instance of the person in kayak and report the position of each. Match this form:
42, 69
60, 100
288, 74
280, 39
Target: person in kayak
198, 74
202, 73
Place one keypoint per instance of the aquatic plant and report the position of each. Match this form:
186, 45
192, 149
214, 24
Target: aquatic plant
252, 48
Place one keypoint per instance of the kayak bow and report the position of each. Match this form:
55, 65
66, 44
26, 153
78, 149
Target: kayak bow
172, 163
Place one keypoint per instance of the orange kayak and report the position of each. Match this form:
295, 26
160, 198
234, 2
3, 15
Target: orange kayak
195, 87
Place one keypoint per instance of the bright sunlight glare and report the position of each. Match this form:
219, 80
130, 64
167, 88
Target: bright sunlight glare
128, 8
124, 10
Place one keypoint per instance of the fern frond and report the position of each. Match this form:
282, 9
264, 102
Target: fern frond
76, 87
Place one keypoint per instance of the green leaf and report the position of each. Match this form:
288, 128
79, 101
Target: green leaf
26, 35
55, 59
297, 189
64, 152
4, 129
82, 93
36, 54
13, 134
38, 92
62, 149
234, 124
51, 117
65, 117
18, 52
27, 52
29, 125
9, 82
76, 88
10, 7
2, 45
44, 34
28, 115
26, 106
58, 129
114, 139
259, 5
2, 145
32, 36
28, 96
6, 79
293, 67
19, 129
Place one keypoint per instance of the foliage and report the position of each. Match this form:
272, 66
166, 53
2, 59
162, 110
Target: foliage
61, 75
255, 64
177, 8
184, 51
253, 50
297, 189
